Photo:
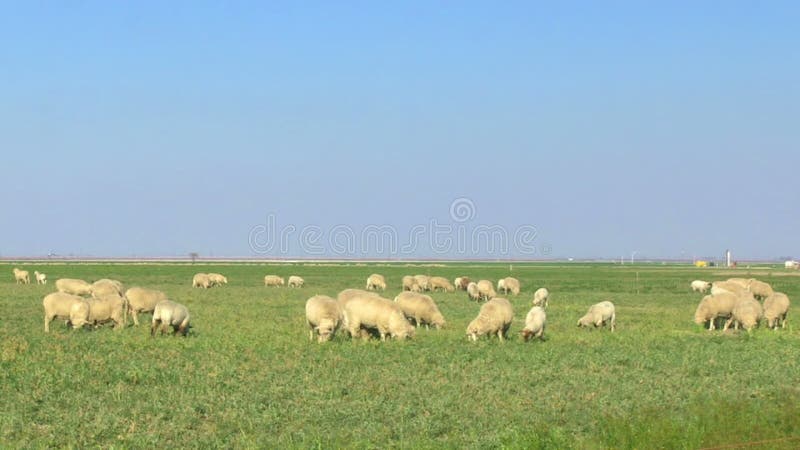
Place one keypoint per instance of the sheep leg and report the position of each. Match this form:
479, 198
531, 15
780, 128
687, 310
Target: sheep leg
727, 324
135, 317
153, 327
613, 322
500, 335
47, 321
311, 335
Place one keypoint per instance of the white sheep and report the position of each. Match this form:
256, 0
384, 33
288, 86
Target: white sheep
73, 308
759, 289
422, 281
217, 279
170, 314
494, 317
541, 297
473, 292
295, 281
374, 312
461, 283
409, 283
509, 285
323, 316
201, 280
600, 314
273, 280
486, 290
141, 300
21, 276
534, 324
731, 287
776, 307
40, 277
110, 308
421, 308
713, 306
105, 287
376, 282
700, 286
743, 282
747, 313
74, 287
440, 283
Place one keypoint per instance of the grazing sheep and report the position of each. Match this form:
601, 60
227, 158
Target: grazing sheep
486, 290
461, 283
295, 281
74, 287
440, 283
323, 316
346, 295
508, 284
598, 315
534, 324
107, 309
421, 308
747, 313
700, 286
40, 277
731, 287
759, 289
776, 307
21, 276
106, 287
374, 312
168, 313
73, 308
743, 282
201, 280
473, 292
217, 279
540, 297
141, 300
375, 282
409, 283
713, 306
422, 281
495, 317
273, 280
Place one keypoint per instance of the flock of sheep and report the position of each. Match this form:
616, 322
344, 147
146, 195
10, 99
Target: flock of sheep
737, 301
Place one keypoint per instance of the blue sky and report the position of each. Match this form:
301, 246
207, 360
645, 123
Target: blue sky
160, 128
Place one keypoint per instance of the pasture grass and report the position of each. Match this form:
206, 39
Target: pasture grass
247, 376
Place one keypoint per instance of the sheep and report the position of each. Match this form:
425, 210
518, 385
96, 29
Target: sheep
440, 283
598, 315
323, 316
534, 324
422, 281
776, 306
106, 287
486, 290
168, 313
713, 306
295, 281
21, 276
494, 317
74, 287
108, 308
731, 287
700, 286
461, 283
40, 277
508, 284
374, 312
747, 313
201, 280
375, 282
73, 308
473, 292
273, 280
409, 283
541, 297
791, 264
217, 279
421, 308
141, 300
759, 289
743, 282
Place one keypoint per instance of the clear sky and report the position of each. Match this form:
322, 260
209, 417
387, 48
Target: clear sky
160, 128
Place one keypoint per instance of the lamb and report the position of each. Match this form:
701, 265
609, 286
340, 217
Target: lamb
217, 279
461, 283
273, 280
375, 282
409, 283
534, 324
108, 308
598, 315
440, 283
422, 281
323, 316
540, 297
105, 287
700, 286
168, 313
201, 280
473, 292
21, 276
508, 284
486, 290
747, 313
759, 289
374, 312
74, 287
141, 300
494, 317
73, 308
776, 306
421, 308
713, 306
40, 277
731, 287
295, 281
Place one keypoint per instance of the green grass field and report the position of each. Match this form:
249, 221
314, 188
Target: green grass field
248, 377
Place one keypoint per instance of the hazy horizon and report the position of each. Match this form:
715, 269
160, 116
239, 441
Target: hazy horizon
571, 130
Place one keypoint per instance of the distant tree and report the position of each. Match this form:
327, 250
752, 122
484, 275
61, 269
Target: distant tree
194, 256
